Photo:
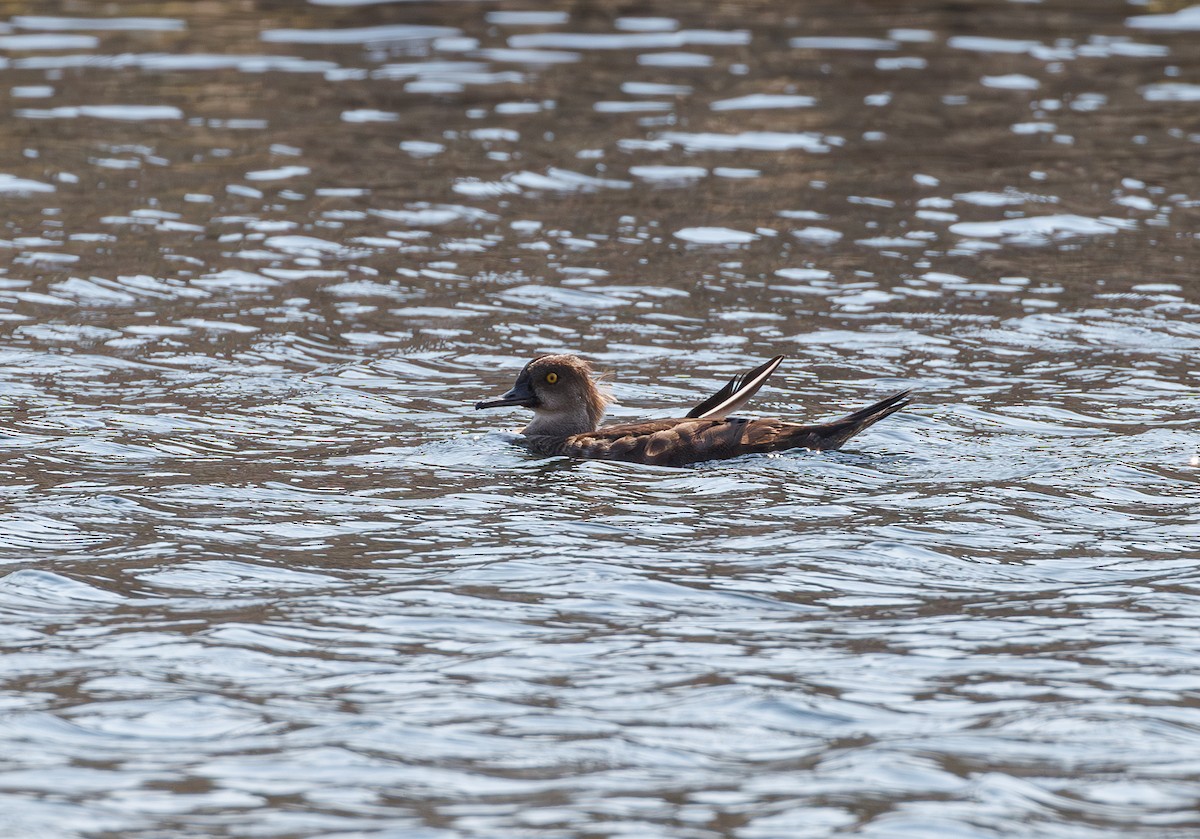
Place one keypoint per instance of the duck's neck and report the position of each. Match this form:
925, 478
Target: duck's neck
561, 423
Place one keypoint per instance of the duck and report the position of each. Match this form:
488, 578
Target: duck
568, 406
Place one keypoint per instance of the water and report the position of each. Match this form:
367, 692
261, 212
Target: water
267, 574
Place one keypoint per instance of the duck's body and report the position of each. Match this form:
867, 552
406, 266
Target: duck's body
568, 407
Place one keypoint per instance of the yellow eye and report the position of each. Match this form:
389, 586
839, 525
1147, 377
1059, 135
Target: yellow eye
551, 378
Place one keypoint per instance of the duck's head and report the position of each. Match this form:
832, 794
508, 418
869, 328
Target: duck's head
560, 390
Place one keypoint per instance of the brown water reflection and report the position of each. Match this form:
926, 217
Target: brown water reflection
268, 574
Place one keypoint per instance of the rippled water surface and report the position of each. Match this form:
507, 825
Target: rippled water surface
267, 574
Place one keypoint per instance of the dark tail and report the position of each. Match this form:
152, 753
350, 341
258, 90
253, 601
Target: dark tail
831, 435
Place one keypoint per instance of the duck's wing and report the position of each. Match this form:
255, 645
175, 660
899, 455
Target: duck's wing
678, 442
735, 394
668, 442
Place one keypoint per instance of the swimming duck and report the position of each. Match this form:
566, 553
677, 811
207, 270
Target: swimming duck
568, 406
